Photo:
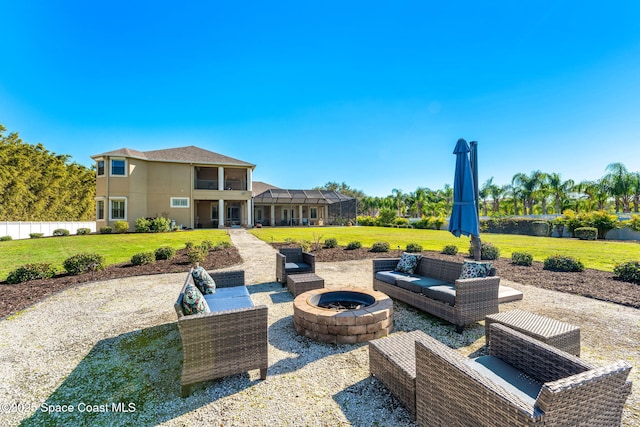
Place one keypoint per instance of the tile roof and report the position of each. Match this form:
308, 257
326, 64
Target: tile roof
190, 154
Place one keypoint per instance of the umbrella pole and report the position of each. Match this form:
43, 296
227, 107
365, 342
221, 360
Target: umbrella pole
475, 242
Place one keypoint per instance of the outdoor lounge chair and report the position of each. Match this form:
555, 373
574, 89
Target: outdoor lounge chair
293, 261
231, 339
521, 382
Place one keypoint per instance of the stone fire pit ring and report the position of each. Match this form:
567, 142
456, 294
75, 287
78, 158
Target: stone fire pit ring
343, 326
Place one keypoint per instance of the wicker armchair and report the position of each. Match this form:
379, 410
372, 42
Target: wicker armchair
222, 343
451, 391
474, 298
293, 261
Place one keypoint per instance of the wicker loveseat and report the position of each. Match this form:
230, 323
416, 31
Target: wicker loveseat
231, 339
435, 287
293, 261
521, 382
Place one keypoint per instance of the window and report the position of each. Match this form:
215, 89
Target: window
179, 202
100, 167
118, 209
118, 167
314, 213
100, 209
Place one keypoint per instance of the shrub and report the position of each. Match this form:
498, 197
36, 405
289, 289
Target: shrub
586, 233
31, 272
331, 243
386, 217
196, 254
380, 247
401, 222
81, 263
487, 251
541, 228
5, 238
414, 247
450, 250
83, 231
165, 252
522, 258
60, 232
354, 245
305, 245
206, 245
633, 223
36, 235
106, 230
160, 225
121, 226
421, 224
436, 222
143, 258
562, 263
628, 271
188, 245
365, 220
222, 245
143, 225
603, 221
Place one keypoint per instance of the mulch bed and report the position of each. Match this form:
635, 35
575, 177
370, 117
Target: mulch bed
19, 296
590, 283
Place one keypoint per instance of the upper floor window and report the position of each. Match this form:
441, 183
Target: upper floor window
179, 202
100, 168
118, 167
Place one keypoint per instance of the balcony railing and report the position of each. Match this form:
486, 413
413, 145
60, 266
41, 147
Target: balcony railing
229, 184
206, 184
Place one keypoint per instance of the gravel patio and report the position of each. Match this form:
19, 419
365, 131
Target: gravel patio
111, 351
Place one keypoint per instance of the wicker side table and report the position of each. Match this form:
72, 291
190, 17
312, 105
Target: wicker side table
393, 361
299, 283
559, 334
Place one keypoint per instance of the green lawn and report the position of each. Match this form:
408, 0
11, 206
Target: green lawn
601, 255
116, 248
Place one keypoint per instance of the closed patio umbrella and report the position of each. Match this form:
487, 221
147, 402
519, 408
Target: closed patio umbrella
464, 216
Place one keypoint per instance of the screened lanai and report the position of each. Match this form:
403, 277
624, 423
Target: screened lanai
277, 206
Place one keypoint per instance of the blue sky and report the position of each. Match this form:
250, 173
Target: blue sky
374, 94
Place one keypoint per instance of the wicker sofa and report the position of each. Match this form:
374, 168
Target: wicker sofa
556, 389
231, 339
293, 261
435, 287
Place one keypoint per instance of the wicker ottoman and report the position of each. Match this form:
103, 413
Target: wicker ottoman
299, 283
393, 361
561, 335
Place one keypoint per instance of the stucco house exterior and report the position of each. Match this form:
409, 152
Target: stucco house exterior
190, 185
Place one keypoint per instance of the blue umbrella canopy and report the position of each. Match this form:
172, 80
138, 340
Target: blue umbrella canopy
464, 217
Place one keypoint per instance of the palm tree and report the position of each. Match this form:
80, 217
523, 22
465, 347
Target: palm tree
528, 186
497, 193
620, 184
559, 189
635, 180
398, 197
484, 193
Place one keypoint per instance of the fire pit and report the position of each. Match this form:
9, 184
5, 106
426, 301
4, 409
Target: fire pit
343, 316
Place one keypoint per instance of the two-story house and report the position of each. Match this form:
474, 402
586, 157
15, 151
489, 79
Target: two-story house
194, 187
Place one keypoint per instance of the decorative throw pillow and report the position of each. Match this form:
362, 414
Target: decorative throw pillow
408, 263
193, 302
203, 281
473, 269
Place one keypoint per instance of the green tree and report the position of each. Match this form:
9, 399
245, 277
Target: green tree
620, 184
38, 185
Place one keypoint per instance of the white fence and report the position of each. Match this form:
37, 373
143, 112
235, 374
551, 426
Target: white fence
21, 230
